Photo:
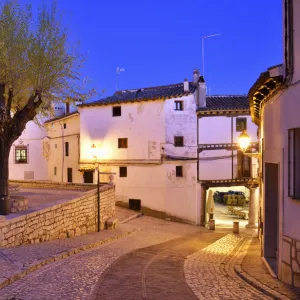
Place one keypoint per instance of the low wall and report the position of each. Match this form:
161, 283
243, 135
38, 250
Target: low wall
72, 218
290, 264
37, 184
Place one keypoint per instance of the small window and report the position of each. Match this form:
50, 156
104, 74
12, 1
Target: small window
116, 111
21, 155
294, 163
241, 124
55, 171
123, 172
178, 105
178, 141
65, 125
55, 146
179, 171
123, 143
67, 148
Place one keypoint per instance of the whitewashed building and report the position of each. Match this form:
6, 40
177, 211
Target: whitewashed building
222, 165
275, 108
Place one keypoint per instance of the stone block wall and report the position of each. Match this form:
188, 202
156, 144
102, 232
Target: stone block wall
39, 184
290, 264
72, 218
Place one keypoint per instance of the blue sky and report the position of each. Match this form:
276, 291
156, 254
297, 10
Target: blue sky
158, 42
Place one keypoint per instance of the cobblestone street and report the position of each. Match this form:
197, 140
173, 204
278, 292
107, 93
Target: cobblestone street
159, 260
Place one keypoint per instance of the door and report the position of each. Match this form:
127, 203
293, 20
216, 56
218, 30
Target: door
271, 214
88, 177
243, 165
70, 175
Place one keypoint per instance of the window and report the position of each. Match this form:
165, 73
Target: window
65, 125
116, 111
123, 143
123, 172
67, 148
179, 171
55, 171
178, 105
55, 146
241, 124
21, 155
294, 163
178, 141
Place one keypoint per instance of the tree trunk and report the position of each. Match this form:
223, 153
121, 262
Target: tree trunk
4, 174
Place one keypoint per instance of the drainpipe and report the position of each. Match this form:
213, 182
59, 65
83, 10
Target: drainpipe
231, 147
63, 151
197, 148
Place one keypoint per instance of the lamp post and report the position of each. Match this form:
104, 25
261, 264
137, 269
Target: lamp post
94, 150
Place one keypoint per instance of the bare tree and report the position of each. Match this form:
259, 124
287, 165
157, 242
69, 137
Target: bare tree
35, 69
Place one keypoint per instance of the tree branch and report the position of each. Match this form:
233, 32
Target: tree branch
9, 102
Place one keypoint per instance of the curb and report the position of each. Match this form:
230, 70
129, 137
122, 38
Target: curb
54, 258
131, 218
251, 280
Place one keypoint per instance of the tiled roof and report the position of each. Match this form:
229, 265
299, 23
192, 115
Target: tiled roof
144, 94
61, 117
225, 102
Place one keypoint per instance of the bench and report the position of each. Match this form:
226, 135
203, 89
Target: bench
112, 223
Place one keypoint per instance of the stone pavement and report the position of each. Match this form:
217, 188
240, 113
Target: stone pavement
255, 269
157, 260
18, 261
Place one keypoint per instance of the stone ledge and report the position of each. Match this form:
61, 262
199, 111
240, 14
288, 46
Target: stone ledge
53, 258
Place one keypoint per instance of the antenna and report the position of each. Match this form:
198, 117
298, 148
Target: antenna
118, 72
203, 38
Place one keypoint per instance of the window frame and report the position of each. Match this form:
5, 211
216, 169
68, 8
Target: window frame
20, 148
122, 146
116, 114
123, 173
292, 159
178, 138
67, 149
236, 123
179, 171
178, 105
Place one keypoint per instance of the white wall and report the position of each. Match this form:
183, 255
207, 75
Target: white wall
32, 136
58, 135
217, 129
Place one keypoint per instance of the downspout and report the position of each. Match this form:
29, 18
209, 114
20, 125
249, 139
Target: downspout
63, 152
289, 41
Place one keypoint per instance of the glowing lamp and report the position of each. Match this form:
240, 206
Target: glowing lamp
244, 140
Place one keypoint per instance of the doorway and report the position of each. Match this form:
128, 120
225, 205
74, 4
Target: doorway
88, 177
70, 175
271, 215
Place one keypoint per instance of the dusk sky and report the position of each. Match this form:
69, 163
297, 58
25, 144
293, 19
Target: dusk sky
159, 42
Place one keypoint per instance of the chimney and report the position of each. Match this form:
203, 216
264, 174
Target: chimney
186, 88
196, 75
200, 93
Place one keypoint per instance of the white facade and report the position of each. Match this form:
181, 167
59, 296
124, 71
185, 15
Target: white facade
218, 130
35, 167
150, 128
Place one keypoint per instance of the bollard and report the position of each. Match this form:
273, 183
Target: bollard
236, 227
211, 224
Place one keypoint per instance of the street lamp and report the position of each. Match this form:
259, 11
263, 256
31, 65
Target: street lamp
94, 153
244, 142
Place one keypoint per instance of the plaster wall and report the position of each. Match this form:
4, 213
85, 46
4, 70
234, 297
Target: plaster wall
217, 129
57, 137
37, 164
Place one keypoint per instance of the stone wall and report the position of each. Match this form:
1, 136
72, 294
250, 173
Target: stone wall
290, 268
39, 184
75, 217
